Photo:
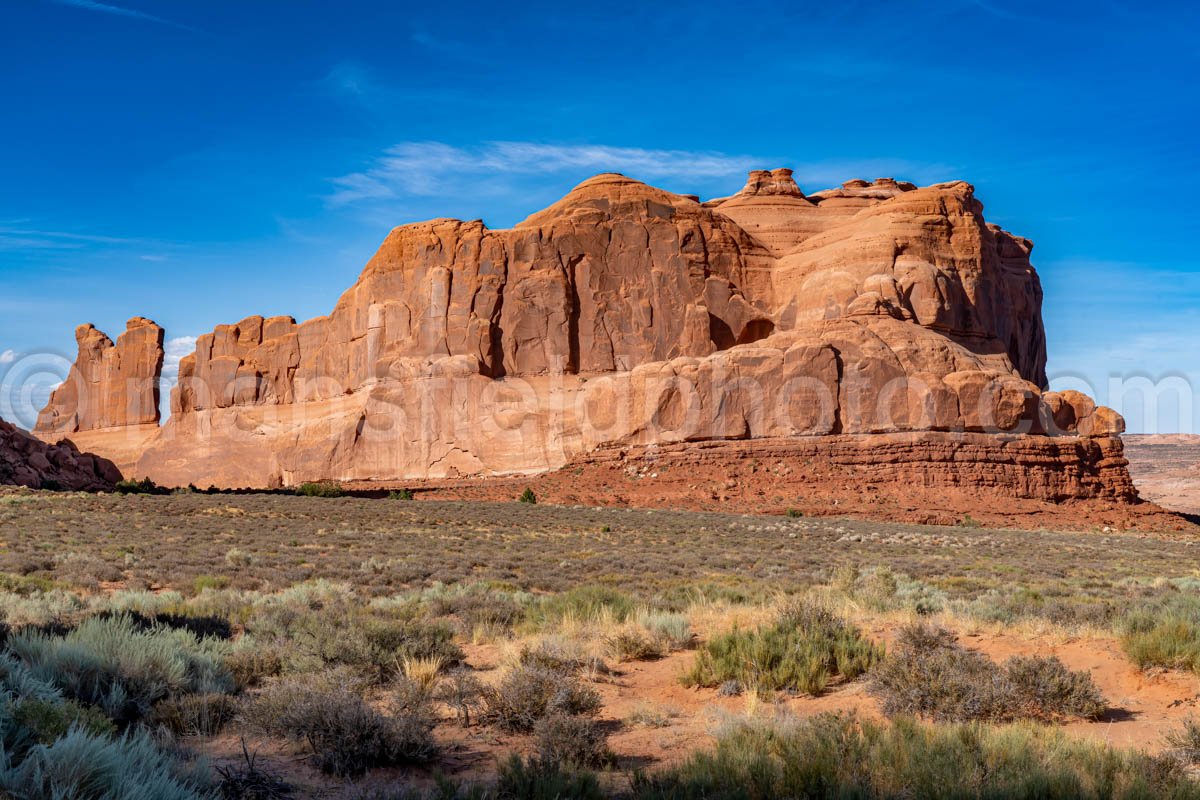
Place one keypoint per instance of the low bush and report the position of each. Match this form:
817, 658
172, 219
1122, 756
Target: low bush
339, 634
1171, 642
144, 486
833, 756
401, 494
631, 644
928, 674
805, 648
1184, 742
528, 496
571, 740
195, 714
84, 766
674, 631
320, 489
583, 604
531, 692
462, 692
122, 668
344, 733
535, 779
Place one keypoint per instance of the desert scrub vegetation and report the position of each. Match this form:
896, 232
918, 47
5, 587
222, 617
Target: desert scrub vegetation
804, 649
838, 756
928, 674
320, 489
70, 707
171, 540
539, 686
346, 735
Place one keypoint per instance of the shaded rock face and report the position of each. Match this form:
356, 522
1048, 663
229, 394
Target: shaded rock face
110, 385
27, 461
627, 315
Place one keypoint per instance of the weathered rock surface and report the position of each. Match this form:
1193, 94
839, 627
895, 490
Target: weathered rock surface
110, 385
27, 461
625, 315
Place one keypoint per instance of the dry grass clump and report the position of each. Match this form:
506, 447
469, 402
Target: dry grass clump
928, 674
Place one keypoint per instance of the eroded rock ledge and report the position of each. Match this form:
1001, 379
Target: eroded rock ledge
625, 315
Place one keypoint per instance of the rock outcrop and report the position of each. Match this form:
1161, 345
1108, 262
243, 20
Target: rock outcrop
625, 315
110, 385
111, 396
27, 461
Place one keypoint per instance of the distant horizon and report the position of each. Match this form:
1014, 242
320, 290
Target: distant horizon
198, 163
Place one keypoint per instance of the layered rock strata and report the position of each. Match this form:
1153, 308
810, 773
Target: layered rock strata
625, 315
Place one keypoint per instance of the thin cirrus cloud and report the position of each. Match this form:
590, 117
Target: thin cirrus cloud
120, 11
429, 169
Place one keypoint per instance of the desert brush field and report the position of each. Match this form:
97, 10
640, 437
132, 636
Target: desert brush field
269, 645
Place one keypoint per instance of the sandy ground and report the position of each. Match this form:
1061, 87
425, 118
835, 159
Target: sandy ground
1166, 469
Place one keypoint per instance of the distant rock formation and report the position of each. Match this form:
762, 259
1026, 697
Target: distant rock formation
26, 461
110, 386
111, 396
625, 315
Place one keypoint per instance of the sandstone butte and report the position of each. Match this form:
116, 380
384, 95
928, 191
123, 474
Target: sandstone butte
878, 326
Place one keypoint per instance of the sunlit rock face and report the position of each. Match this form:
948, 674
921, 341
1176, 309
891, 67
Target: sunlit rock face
628, 315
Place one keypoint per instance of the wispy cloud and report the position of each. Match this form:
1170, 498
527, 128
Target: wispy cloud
121, 11
8, 356
430, 169
422, 168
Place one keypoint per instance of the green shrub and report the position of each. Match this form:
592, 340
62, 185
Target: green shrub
1173, 643
583, 603
46, 721
928, 674
673, 631
84, 766
320, 489
345, 734
112, 663
1184, 742
402, 494
802, 651
528, 496
534, 779
477, 608
144, 486
532, 692
341, 634
833, 756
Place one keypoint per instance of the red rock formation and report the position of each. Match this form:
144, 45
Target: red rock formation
26, 461
110, 386
628, 315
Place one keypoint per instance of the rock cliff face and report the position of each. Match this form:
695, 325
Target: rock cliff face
625, 315
110, 385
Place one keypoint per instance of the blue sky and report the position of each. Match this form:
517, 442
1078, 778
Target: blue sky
197, 161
